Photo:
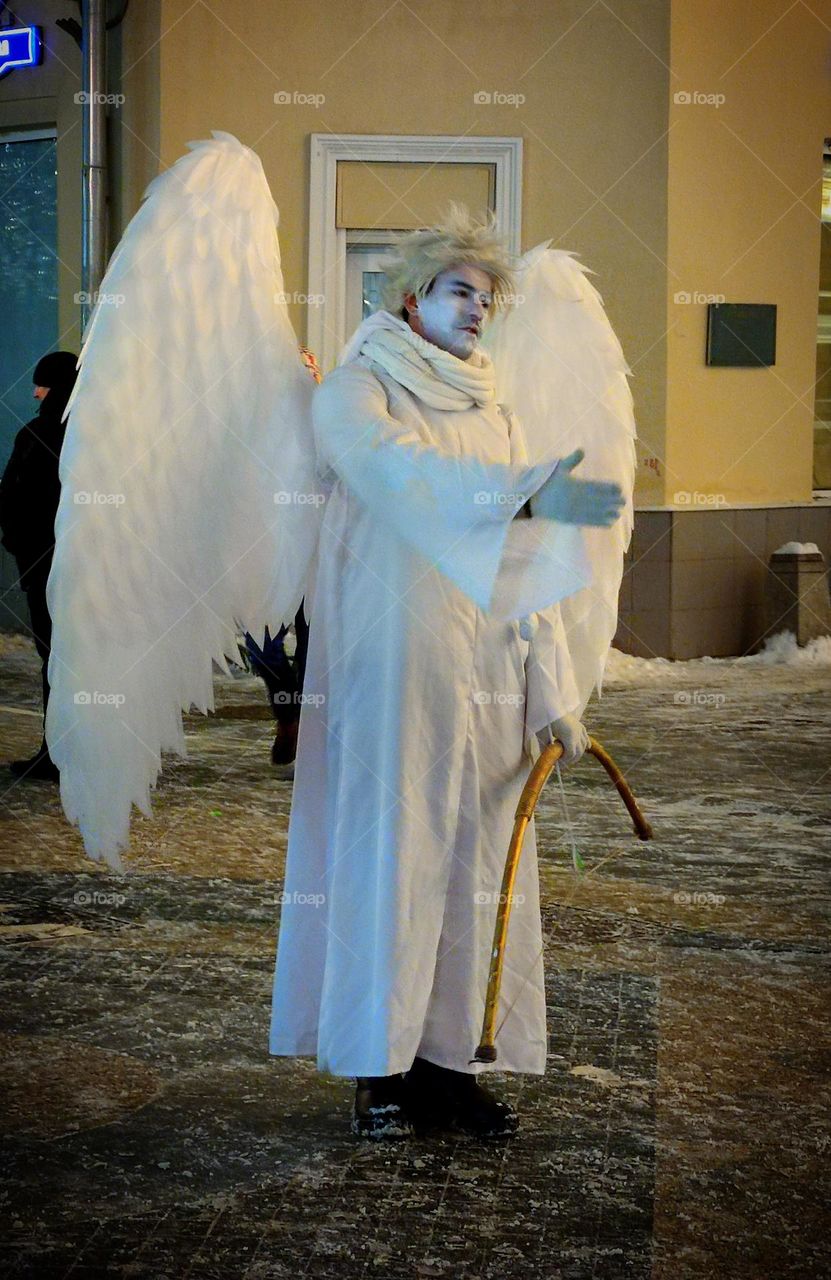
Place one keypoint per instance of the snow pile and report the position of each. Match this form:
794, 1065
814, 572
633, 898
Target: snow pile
622, 668
779, 650
797, 549
782, 650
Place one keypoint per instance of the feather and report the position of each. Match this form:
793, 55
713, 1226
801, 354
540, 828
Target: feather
191, 409
560, 366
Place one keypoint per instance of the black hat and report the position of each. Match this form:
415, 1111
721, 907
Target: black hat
55, 369
57, 372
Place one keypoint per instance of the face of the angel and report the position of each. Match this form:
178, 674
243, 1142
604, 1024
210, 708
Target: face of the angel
40, 393
453, 313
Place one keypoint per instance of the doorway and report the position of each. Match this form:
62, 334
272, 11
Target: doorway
28, 299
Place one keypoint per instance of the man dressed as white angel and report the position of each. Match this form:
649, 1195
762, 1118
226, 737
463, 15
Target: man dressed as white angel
460, 580
412, 756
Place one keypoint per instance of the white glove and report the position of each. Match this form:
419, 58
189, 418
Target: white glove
572, 501
573, 735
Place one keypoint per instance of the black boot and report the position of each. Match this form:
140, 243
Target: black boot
379, 1111
39, 766
437, 1096
284, 746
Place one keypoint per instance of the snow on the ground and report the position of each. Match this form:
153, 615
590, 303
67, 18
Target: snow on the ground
797, 549
778, 650
13, 644
622, 668
782, 649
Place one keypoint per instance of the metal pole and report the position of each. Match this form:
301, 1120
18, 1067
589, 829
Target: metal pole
94, 174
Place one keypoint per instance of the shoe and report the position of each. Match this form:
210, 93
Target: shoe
439, 1097
40, 767
379, 1113
284, 748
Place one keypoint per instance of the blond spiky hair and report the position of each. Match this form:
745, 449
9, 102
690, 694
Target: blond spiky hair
420, 256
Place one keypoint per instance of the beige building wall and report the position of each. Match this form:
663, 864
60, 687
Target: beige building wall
593, 121
133, 57
589, 97
744, 192
657, 197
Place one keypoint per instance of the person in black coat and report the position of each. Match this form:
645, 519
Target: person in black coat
29, 493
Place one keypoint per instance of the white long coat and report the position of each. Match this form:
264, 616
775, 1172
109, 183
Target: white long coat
414, 734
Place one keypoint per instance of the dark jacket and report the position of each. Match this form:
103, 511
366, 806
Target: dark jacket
30, 489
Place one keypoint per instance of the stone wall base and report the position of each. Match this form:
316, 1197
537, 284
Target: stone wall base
694, 582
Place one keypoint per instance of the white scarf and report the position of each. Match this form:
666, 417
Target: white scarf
437, 377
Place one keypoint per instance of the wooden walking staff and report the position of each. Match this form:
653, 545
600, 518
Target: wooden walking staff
524, 812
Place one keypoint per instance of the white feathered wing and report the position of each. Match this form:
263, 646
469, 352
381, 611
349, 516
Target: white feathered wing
560, 367
189, 506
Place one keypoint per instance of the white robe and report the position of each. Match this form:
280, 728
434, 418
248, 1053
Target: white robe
414, 736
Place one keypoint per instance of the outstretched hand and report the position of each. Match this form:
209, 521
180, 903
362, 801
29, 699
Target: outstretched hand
571, 501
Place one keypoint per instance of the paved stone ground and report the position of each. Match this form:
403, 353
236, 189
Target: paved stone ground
681, 1127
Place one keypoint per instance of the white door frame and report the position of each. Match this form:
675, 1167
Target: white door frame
327, 243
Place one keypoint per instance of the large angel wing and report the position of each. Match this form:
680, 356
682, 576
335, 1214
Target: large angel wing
561, 368
189, 506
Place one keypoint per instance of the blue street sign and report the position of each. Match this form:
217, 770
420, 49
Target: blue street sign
19, 47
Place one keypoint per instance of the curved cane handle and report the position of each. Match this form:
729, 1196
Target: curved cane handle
550, 754
642, 828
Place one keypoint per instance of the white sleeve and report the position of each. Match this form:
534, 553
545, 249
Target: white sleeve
551, 689
456, 512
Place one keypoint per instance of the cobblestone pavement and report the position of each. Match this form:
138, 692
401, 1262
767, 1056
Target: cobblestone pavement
680, 1129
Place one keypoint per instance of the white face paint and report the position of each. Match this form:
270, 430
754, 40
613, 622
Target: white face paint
452, 314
